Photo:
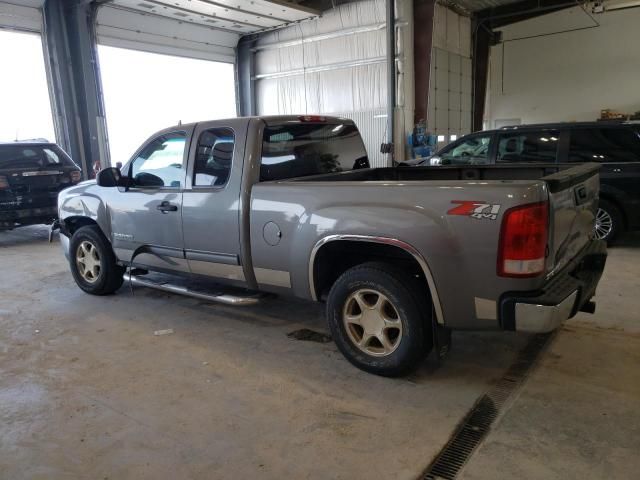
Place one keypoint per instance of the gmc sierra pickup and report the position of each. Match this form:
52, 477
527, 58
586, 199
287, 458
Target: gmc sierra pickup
289, 205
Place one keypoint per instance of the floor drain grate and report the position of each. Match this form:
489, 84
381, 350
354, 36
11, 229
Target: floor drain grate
477, 423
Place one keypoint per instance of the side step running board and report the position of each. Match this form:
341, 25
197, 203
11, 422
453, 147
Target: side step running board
225, 298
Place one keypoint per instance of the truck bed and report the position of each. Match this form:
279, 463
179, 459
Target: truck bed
414, 205
557, 176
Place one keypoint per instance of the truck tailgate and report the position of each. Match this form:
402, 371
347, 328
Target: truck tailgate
573, 198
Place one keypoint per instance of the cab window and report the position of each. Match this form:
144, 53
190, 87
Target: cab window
302, 149
213, 158
474, 150
161, 162
529, 147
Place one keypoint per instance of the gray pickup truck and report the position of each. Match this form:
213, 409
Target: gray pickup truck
289, 205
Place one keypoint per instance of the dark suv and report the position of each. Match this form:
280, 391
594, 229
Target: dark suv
615, 145
31, 176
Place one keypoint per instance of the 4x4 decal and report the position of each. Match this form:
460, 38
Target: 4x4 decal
475, 209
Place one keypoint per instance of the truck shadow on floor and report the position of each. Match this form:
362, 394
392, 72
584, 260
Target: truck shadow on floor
487, 353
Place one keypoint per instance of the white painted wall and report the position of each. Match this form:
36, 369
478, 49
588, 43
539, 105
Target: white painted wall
567, 76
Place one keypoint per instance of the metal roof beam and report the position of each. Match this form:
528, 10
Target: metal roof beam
497, 17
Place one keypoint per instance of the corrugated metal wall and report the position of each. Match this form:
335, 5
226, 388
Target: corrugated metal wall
450, 85
334, 65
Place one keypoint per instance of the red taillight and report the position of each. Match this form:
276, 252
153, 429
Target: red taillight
75, 176
312, 118
4, 183
523, 240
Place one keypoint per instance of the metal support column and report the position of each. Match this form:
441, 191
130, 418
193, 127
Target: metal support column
72, 70
391, 74
482, 40
423, 13
245, 70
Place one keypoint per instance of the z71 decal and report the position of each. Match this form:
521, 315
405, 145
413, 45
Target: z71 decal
475, 209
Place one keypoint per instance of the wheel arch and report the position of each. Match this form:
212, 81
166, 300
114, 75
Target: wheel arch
357, 249
73, 223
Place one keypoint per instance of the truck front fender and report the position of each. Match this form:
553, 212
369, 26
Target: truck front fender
80, 206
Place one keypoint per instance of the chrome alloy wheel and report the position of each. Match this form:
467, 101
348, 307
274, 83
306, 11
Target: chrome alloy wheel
88, 261
372, 322
604, 224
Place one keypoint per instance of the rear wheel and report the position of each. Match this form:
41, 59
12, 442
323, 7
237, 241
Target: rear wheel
93, 263
379, 319
608, 221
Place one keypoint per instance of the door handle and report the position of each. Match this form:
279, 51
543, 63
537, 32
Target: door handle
166, 207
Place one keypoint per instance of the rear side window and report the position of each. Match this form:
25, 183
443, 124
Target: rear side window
530, 147
33, 156
213, 157
303, 149
604, 145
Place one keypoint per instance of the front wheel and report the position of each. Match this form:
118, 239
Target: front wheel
93, 263
379, 319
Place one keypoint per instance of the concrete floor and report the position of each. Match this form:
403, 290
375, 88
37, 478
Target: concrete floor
87, 390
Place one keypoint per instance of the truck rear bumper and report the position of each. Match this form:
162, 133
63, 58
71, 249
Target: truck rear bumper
534, 318
564, 295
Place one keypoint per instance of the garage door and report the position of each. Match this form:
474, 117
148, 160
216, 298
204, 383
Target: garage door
203, 29
160, 90
25, 109
22, 15
334, 65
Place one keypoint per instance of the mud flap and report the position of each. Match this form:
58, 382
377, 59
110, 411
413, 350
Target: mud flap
54, 226
441, 340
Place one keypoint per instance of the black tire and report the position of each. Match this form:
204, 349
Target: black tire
412, 309
617, 223
109, 276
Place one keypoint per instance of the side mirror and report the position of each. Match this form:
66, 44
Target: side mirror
435, 160
110, 177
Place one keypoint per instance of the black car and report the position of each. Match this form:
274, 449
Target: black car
615, 145
31, 175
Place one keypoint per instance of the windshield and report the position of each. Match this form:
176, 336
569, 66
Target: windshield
303, 149
33, 156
